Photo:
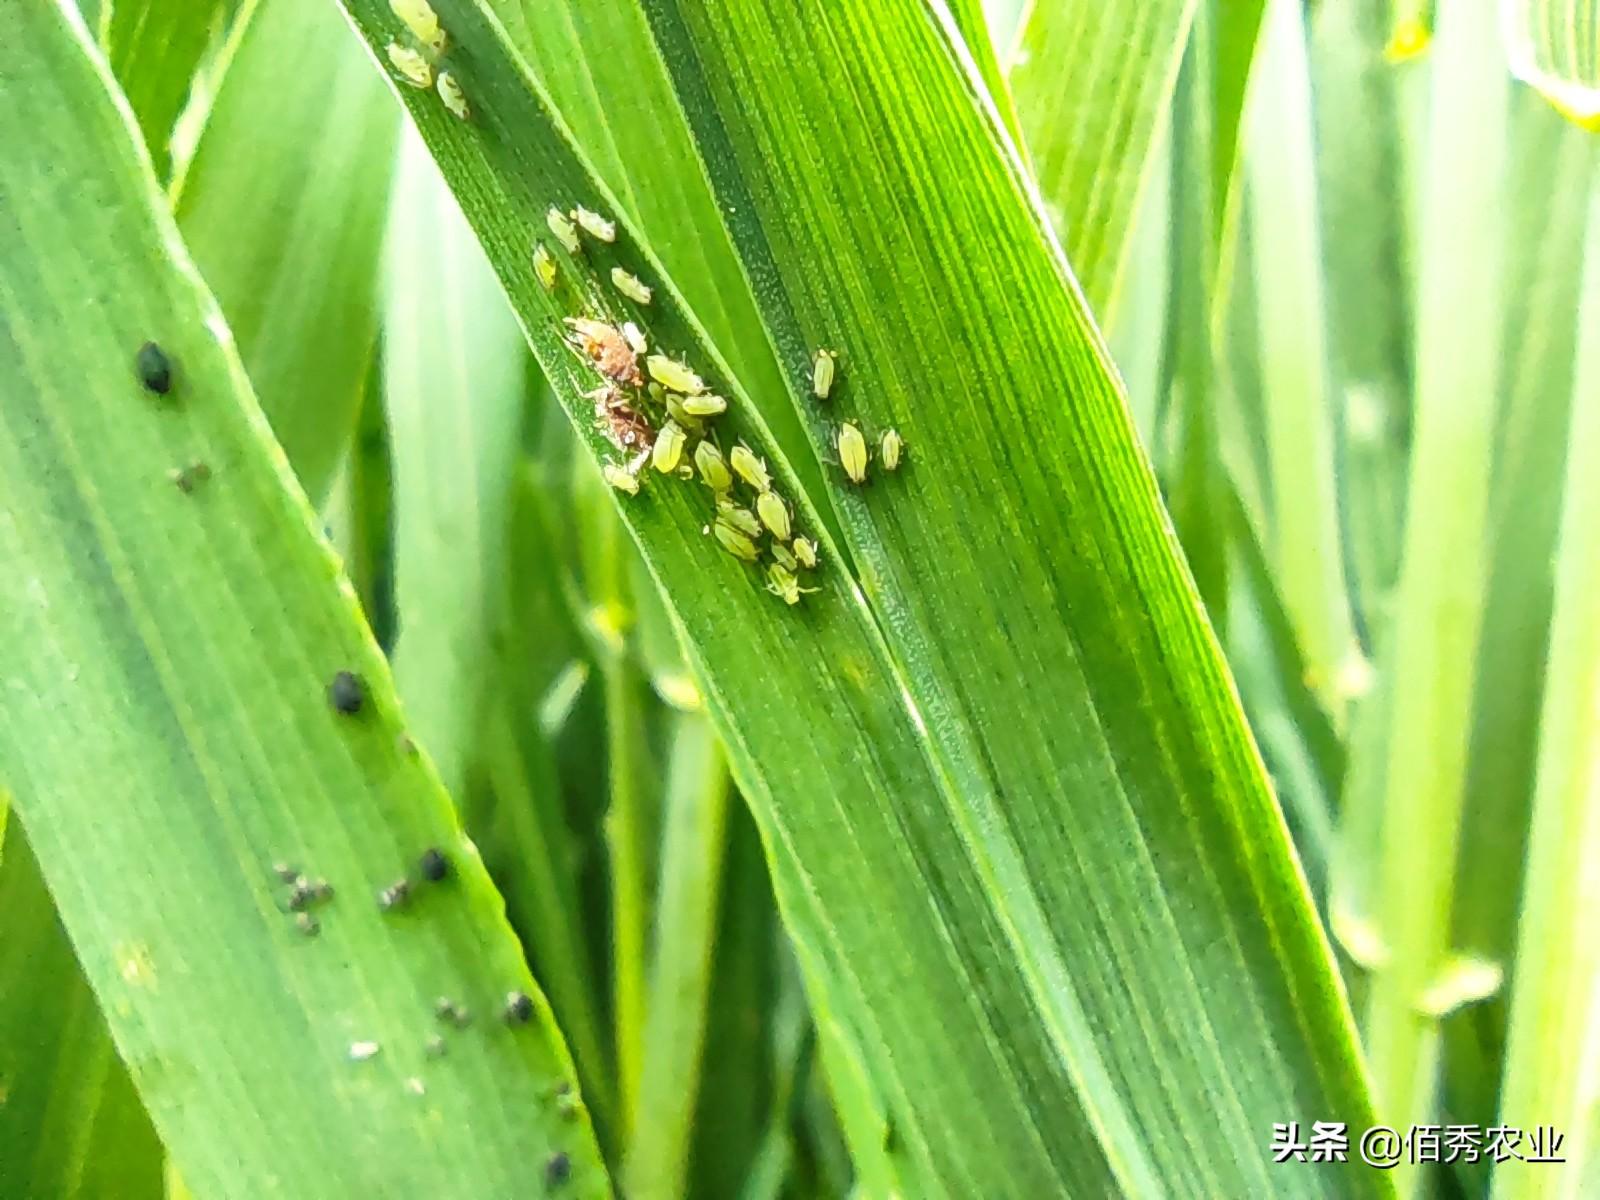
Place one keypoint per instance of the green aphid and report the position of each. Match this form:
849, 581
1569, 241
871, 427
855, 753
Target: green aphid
675, 408
852, 452
713, 469
674, 375
782, 583
595, 225
668, 450
564, 230
782, 556
735, 542
774, 514
621, 479
706, 404
544, 266
630, 286
822, 367
890, 447
806, 551
735, 517
422, 21
749, 468
413, 68
452, 95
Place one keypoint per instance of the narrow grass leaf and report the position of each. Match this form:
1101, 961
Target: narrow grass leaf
156, 48
283, 207
175, 648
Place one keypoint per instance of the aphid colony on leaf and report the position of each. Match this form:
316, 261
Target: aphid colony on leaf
659, 411
416, 66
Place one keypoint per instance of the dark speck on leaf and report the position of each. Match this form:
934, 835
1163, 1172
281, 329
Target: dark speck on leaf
346, 694
519, 1007
557, 1168
155, 368
435, 866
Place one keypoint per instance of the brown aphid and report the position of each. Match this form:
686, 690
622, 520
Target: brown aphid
188, 478
625, 426
607, 347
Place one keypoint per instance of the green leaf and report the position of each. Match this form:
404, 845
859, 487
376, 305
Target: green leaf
453, 390
283, 208
155, 48
168, 732
1094, 84
1438, 620
1041, 639
70, 1121
1553, 1074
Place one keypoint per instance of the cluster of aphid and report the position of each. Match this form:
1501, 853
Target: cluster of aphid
346, 695
662, 417
416, 65
850, 442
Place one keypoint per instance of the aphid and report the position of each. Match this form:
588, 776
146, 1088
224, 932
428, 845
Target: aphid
434, 1047
322, 891
395, 895
557, 1168
631, 286
853, 453
564, 230
155, 368
361, 1051
806, 551
422, 21
782, 583
670, 373
822, 365
448, 1010
620, 478
519, 1007
634, 337
452, 95
735, 542
668, 451
544, 267
705, 405
742, 519
190, 477
566, 1102
708, 460
749, 468
286, 872
606, 348
307, 924
774, 514
434, 865
595, 225
783, 557
301, 897
346, 694
413, 68
676, 410
890, 447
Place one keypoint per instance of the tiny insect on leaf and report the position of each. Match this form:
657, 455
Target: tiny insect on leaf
634, 336
423, 22
621, 479
155, 368
346, 693
890, 449
713, 469
774, 514
630, 286
822, 368
749, 468
784, 557
595, 225
735, 517
668, 450
413, 68
852, 453
564, 230
544, 266
670, 373
806, 551
735, 542
454, 99
706, 404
